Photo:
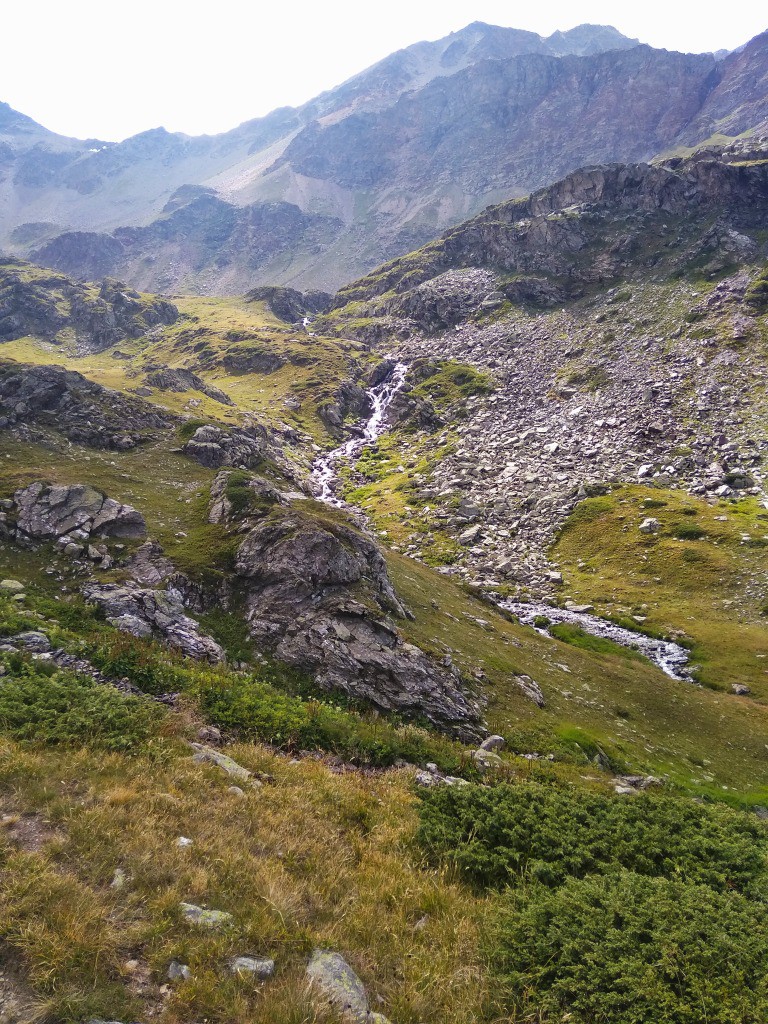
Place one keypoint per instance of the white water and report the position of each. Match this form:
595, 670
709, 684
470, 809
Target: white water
669, 657
323, 477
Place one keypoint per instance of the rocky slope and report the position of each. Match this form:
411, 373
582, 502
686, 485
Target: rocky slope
313, 196
620, 318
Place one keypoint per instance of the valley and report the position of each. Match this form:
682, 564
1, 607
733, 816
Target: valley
393, 651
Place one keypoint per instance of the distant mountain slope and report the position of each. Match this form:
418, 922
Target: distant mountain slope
316, 195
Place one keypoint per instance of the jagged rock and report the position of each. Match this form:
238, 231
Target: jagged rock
258, 967
263, 495
179, 379
148, 564
42, 304
345, 992
80, 409
290, 305
55, 511
227, 764
443, 301
215, 920
349, 399
531, 689
317, 594
242, 448
141, 612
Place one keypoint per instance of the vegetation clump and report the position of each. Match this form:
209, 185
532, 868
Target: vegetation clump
633, 950
62, 708
509, 834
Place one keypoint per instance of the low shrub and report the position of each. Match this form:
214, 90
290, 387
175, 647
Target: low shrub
632, 950
506, 834
578, 637
687, 532
63, 708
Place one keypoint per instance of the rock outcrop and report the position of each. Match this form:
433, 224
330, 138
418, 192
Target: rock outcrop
290, 305
181, 380
144, 612
75, 515
40, 303
85, 412
241, 448
318, 596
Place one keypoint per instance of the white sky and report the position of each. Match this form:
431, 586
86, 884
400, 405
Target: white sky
102, 69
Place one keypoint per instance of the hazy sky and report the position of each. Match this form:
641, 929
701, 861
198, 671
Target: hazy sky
100, 69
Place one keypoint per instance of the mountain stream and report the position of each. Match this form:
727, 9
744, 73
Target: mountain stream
671, 658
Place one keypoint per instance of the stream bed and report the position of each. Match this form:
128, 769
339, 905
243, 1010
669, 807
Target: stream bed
671, 658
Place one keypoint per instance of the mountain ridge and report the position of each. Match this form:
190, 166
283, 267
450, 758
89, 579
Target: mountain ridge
394, 155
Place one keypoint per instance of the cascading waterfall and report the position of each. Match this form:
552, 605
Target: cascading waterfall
671, 658
323, 475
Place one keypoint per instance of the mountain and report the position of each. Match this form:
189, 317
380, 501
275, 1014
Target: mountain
397, 655
314, 196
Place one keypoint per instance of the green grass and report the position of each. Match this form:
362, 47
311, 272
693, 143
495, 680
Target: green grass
577, 637
689, 579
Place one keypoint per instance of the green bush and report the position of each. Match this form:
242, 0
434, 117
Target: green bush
686, 532
257, 711
63, 708
632, 950
756, 294
506, 834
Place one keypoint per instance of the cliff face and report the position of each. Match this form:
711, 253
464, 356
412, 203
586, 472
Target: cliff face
316, 195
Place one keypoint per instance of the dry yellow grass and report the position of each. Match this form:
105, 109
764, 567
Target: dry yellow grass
314, 860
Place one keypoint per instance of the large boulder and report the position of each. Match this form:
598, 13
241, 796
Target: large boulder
318, 596
59, 511
241, 448
143, 612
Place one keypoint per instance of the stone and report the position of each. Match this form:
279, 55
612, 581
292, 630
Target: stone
486, 758
740, 689
53, 511
259, 967
330, 973
34, 641
227, 764
178, 971
211, 735
493, 743
649, 525
531, 689
212, 919
11, 587
142, 611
